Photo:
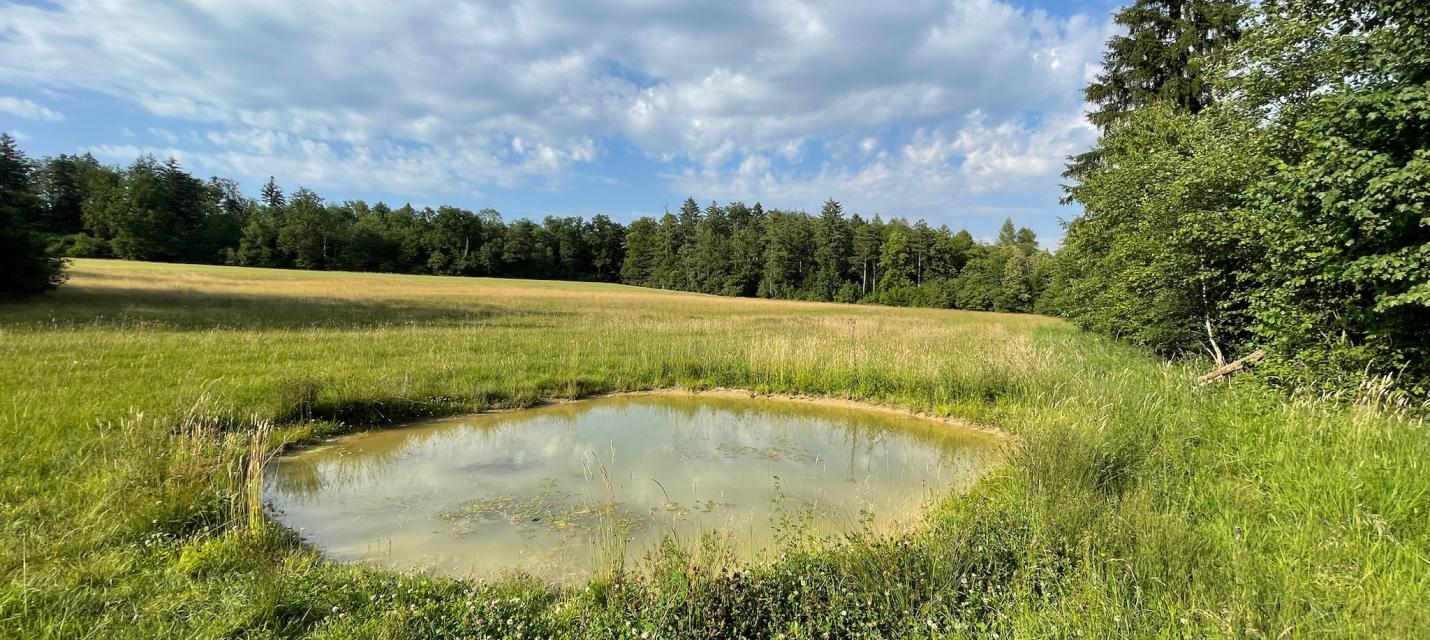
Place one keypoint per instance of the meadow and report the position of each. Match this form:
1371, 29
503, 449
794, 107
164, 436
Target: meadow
138, 400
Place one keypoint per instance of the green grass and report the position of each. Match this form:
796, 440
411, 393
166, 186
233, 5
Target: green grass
1136, 504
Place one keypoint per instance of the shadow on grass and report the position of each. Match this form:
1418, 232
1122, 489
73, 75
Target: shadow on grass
193, 309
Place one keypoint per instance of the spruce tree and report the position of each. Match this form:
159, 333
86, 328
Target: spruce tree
1163, 57
26, 267
272, 195
831, 250
1007, 234
1167, 56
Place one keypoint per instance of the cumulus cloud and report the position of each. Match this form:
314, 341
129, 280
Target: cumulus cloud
756, 99
28, 109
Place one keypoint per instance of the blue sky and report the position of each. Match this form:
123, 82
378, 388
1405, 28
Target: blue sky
956, 111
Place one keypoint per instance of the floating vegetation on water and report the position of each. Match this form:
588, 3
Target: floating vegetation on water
780, 452
550, 509
681, 510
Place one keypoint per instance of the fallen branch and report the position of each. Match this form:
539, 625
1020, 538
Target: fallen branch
1232, 367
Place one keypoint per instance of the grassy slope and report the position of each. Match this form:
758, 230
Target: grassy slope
1136, 505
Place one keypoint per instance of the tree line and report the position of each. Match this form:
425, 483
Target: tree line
77, 207
1262, 180
741, 250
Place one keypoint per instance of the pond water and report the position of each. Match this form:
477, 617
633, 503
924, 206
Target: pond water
557, 491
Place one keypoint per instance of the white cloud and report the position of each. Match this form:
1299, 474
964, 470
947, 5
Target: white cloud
29, 109
164, 134
931, 173
922, 101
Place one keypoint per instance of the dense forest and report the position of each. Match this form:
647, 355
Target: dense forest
1262, 180
154, 210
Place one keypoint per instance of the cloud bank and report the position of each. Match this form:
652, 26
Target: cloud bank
913, 107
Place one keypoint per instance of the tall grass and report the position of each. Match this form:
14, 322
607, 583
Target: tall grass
140, 401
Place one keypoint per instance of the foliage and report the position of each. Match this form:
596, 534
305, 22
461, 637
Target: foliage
1158, 255
1167, 56
1288, 215
26, 264
1345, 286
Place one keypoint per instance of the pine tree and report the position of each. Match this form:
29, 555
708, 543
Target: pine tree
831, 250
1007, 234
1026, 241
25, 266
747, 249
708, 261
63, 184
1166, 56
272, 195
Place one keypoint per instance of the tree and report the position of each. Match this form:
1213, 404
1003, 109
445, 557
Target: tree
894, 257
949, 253
258, 243
1343, 290
668, 271
1154, 256
455, 240
1160, 248
1168, 55
1165, 57
977, 284
605, 239
26, 268
187, 206
832, 246
708, 254
868, 242
747, 249
787, 255
921, 242
567, 241
222, 228
1026, 241
1288, 215
310, 231
688, 219
526, 252
642, 249
1014, 291
63, 184
272, 195
131, 213
1007, 236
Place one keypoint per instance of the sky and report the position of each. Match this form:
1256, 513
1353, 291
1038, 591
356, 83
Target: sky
956, 111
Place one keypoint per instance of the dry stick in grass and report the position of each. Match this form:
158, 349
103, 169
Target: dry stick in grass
1232, 368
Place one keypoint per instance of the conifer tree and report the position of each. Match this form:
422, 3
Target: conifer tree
1168, 56
25, 265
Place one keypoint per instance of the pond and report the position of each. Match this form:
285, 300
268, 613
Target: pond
561, 491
